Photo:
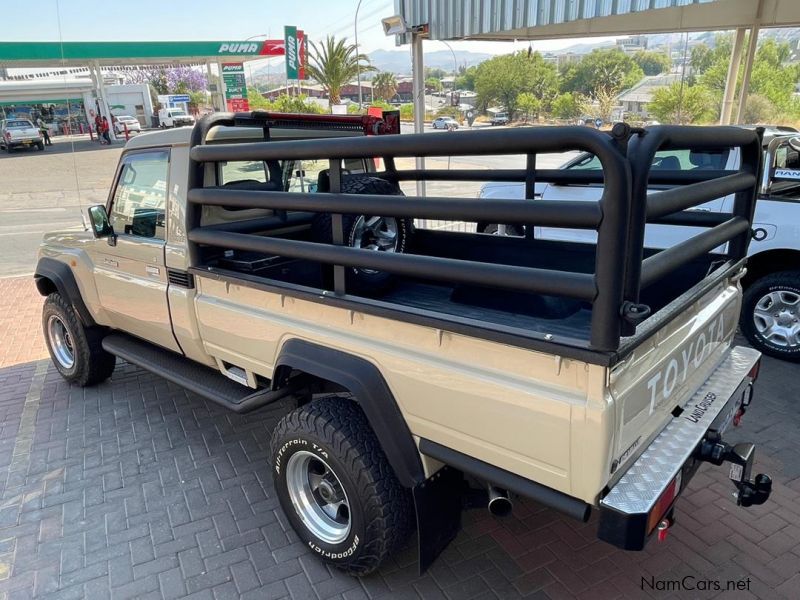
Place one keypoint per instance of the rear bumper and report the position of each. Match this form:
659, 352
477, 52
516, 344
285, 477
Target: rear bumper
629, 509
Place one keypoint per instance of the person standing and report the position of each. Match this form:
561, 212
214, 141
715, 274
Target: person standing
44, 131
106, 135
98, 128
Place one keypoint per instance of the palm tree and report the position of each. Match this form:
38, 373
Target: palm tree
385, 86
334, 64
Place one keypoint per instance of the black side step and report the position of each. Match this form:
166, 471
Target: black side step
197, 378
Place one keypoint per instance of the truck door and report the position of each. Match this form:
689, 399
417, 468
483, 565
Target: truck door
656, 236
131, 275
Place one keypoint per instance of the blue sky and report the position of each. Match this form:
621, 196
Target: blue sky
149, 20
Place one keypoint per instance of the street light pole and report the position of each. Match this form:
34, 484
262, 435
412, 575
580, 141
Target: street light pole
358, 62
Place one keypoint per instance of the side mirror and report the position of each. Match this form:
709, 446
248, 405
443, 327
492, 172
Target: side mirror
101, 226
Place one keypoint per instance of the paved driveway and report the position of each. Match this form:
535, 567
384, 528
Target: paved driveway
137, 489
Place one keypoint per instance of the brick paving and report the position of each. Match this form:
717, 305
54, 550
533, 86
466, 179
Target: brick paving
137, 489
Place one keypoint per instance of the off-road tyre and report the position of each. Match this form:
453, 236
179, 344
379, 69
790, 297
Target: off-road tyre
756, 299
91, 364
358, 280
336, 431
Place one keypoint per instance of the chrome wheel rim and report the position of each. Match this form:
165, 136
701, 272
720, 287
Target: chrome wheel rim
375, 233
60, 342
777, 318
318, 497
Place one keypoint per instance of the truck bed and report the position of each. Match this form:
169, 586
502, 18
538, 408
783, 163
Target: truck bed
562, 318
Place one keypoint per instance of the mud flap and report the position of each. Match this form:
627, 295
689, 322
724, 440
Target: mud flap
437, 503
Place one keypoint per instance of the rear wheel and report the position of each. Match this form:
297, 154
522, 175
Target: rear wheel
336, 486
75, 350
770, 316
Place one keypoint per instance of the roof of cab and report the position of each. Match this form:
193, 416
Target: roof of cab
180, 136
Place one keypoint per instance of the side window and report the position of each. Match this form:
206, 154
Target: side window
139, 204
304, 176
242, 171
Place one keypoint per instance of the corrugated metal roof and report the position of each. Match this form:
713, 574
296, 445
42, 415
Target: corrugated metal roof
542, 19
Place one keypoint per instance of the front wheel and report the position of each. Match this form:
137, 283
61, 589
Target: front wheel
770, 318
76, 351
336, 486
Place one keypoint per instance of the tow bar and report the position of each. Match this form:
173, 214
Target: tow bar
749, 492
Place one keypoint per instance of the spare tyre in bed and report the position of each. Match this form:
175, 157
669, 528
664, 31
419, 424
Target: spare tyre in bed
382, 234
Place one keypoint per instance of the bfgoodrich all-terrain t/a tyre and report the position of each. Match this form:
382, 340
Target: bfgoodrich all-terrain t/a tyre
76, 350
771, 315
336, 487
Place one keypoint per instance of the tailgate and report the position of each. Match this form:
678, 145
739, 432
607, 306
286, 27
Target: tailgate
665, 370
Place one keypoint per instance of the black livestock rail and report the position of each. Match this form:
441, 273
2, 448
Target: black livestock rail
621, 267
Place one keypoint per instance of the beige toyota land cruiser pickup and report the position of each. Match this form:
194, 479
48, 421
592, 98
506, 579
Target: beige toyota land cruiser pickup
261, 256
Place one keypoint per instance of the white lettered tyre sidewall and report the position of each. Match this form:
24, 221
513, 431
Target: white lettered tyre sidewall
347, 550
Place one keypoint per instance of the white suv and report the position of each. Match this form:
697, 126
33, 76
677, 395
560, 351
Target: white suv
771, 309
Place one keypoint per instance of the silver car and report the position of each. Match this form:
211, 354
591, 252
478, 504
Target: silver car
19, 133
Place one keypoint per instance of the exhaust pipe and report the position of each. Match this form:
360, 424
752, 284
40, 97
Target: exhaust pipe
499, 502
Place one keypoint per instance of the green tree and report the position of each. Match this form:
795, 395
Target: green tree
256, 100
385, 85
466, 78
759, 109
529, 104
652, 63
690, 105
701, 59
607, 70
503, 78
334, 64
568, 105
435, 73
433, 84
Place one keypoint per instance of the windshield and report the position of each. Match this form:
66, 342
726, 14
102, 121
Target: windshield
673, 160
178, 113
18, 123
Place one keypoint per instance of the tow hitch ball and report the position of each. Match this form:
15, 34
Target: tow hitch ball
712, 449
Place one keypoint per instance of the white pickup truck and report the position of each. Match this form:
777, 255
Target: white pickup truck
770, 316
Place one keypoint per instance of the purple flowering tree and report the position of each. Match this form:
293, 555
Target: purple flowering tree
169, 80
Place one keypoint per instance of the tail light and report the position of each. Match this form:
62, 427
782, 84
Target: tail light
753, 374
663, 503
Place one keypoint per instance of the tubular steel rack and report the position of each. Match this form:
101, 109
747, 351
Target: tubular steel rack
620, 269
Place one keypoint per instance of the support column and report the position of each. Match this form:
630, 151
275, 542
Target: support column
209, 75
418, 90
748, 70
105, 110
221, 87
730, 82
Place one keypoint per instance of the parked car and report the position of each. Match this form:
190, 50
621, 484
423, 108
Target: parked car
19, 133
770, 317
500, 119
445, 123
414, 357
126, 121
174, 117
